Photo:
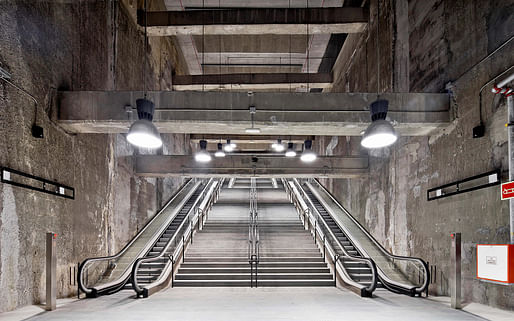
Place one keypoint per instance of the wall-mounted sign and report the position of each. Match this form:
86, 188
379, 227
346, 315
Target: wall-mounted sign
495, 263
507, 190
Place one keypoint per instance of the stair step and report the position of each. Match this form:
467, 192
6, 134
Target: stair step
241, 283
261, 276
247, 270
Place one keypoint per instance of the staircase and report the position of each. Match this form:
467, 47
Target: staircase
219, 253
360, 272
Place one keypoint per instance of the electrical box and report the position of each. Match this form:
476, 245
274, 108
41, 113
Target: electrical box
495, 263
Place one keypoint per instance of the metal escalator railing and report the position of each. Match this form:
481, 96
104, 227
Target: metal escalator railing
333, 248
253, 235
109, 274
399, 274
175, 247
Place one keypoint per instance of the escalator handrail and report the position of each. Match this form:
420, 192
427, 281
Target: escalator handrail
161, 254
399, 257
82, 287
337, 258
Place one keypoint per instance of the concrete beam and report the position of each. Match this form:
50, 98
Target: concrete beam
266, 166
190, 82
255, 21
345, 114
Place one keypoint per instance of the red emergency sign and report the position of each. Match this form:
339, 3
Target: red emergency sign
507, 190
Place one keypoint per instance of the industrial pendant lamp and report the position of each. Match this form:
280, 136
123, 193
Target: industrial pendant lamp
142, 132
308, 154
380, 133
229, 146
252, 130
220, 152
278, 146
203, 155
290, 150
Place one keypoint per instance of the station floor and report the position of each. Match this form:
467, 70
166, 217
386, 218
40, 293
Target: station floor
319, 304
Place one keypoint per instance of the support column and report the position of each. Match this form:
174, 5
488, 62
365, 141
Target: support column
510, 110
455, 266
51, 266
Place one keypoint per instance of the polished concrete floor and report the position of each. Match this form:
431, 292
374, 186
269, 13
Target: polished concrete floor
253, 304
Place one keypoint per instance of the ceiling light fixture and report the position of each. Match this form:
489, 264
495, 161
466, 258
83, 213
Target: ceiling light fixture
203, 155
252, 130
308, 154
290, 150
220, 152
278, 146
229, 146
142, 132
380, 132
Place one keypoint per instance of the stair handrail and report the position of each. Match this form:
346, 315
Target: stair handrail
253, 233
418, 290
207, 191
365, 290
87, 261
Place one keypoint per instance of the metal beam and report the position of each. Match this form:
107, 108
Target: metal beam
413, 114
191, 82
255, 21
265, 166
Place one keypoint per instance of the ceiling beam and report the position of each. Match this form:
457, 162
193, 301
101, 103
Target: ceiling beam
191, 82
265, 166
345, 114
255, 21
249, 139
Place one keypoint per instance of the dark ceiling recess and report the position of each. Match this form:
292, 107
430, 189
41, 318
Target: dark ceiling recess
333, 48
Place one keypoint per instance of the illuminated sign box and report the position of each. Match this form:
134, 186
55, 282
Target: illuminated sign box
495, 263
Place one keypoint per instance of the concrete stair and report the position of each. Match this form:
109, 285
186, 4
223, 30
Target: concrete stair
288, 254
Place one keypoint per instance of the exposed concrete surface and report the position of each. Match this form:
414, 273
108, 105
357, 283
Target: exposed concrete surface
73, 45
445, 39
258, 304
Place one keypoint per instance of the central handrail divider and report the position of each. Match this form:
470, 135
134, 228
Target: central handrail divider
418, 290
297, 196
92, 292
253, 235
198, 211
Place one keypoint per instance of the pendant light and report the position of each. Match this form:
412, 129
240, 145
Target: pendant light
380, 133
290, 150
142, 132
308, 154
229, 146
203, 155
220, 152
252, 130
278, 146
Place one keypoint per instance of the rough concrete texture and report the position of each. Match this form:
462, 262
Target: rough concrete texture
445, 39
82, 45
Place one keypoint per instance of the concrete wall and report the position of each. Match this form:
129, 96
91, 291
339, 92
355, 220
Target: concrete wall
439, 42
71, 45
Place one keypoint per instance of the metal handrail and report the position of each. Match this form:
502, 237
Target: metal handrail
188, 234
418, 290
308, 215
125, 248
253, 234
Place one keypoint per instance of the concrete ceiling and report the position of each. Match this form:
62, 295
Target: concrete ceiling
266, 53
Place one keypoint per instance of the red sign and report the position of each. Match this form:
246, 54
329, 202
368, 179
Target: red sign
507, 190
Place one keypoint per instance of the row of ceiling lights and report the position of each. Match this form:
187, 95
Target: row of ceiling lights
204, 156
380, 133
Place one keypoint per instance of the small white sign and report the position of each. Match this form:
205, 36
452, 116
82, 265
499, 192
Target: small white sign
438, 192
491, 260
61, 190
493, 178
7, 176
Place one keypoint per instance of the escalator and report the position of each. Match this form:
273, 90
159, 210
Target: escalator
150, 271
399, 274
110, 274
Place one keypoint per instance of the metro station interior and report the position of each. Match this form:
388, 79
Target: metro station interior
257, 160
